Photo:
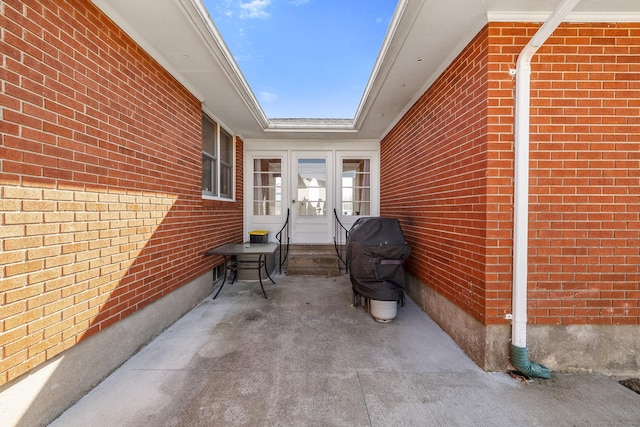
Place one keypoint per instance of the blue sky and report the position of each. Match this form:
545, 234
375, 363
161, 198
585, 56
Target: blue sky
304, 58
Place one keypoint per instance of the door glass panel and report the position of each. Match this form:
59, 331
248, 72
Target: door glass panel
356, 187
312, 187
267, 186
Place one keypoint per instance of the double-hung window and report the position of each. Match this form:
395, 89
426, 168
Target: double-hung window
217, 160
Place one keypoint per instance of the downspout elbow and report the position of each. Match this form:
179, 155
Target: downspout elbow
520, 361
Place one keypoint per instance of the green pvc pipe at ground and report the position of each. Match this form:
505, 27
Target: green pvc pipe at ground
520, 361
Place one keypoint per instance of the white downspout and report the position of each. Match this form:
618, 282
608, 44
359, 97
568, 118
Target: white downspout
521, 175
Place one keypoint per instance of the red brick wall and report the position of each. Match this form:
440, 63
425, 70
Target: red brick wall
100, 172
447, 171
584, 217
433, 166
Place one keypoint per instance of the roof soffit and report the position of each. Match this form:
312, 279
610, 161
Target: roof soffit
423, 39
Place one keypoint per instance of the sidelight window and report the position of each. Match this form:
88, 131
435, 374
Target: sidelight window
267, 186
356, 187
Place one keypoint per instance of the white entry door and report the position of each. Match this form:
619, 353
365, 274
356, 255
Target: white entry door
312, 197
307, 185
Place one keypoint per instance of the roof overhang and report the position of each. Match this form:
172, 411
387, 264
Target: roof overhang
424, 37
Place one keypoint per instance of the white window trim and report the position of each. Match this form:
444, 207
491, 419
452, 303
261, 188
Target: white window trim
220, 126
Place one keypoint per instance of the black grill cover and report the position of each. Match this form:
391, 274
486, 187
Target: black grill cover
376, 251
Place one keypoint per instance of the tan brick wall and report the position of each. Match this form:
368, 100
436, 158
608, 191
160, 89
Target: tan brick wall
100, 167
447, 171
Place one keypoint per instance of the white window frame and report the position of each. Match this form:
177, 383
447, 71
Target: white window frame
278, 198
341, 188
216, 194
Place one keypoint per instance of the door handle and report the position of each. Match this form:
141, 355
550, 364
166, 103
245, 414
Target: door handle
293, 202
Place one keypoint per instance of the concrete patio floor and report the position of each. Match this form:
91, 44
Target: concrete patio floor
307, 357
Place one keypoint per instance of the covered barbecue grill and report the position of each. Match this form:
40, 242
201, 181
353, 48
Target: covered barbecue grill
376, 251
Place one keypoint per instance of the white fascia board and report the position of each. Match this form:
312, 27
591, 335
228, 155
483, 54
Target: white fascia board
608, 17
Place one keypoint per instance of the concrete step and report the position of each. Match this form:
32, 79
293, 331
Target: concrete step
312, 260
309, 271
312, 249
